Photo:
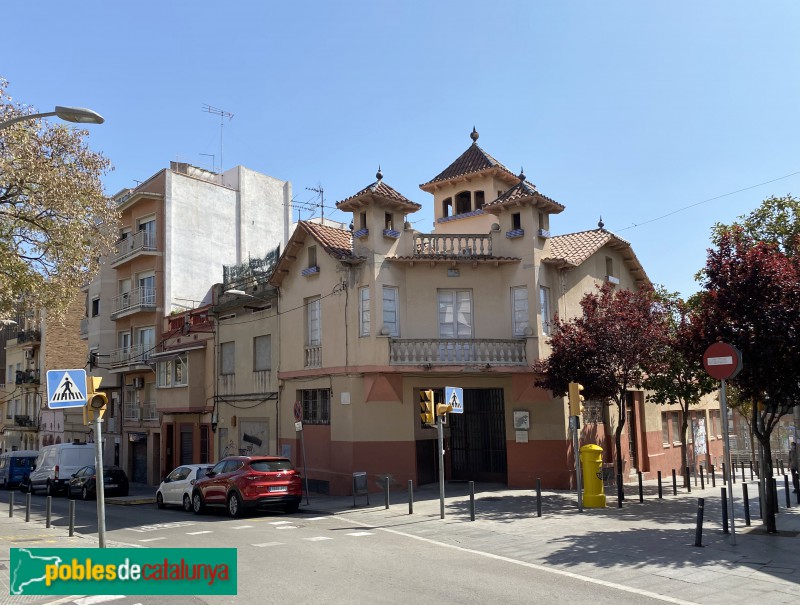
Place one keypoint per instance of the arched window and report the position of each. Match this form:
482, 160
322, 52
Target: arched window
447, 206
58, 440
464, 202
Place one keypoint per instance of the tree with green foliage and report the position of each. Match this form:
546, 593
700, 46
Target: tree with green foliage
677, 375
55, 221
606, 349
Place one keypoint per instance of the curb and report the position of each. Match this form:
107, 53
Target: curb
132, 501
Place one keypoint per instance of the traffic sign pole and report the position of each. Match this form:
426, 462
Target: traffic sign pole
100, 483
723, 400
440, 430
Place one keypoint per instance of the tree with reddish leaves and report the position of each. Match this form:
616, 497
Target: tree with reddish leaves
751, 300
606, 349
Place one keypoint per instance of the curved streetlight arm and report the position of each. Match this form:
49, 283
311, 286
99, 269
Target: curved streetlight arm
68, 114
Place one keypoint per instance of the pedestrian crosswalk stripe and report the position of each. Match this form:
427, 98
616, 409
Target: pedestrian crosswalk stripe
314, 518
197, 533
243, 527
286, 527
269, 544
360, 533
153, 539
280, 522
317, 538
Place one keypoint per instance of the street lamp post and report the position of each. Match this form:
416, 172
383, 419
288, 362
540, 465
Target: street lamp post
68, 114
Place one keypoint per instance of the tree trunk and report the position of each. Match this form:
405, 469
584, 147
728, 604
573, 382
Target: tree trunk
768, 504
684, 447
618, 437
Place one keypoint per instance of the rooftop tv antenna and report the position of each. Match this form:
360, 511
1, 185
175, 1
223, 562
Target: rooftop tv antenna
222, 115
318, 189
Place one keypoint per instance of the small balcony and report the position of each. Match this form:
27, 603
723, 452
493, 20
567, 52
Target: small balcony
132, 357
457, 352
30, 377
25, 421
313, 357
452, 246
149, 411
138, 299
141, 242
29, 336
132, 411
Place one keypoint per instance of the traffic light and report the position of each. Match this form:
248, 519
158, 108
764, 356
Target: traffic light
426, 406
442, 409
96, 401
575, 399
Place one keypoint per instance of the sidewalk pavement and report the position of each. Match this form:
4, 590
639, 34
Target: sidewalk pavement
645, 546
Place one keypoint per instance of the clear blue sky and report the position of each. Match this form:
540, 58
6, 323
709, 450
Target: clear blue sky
629, 110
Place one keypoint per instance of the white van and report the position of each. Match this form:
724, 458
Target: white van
56, 464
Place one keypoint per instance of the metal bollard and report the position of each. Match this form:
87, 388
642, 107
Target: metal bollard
471, 500
674, 483
641, 493
713, 476
725, 511
780, 465
48, 510
410, 497
775, 495
688, 481
733, 472
660, 490
751, 470
538, 497
71, 518
698, 532
386, 492
746, 504
11, 504
724, 472
620, 495
702, 478
27, 507
786, 490
743, 479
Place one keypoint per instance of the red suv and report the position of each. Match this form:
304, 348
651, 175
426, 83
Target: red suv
240, 482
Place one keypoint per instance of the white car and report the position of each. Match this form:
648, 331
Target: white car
176, 488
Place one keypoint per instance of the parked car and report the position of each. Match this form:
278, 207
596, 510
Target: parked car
56, 464
16, 466
242, 482
84, 482
176, 488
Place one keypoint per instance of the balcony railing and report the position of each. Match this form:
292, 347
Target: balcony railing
29, 336
141, 241
452, 245
132, 411
313, 357
27, 377
138, 299
135, 355
149, 411
448, 351
23, 421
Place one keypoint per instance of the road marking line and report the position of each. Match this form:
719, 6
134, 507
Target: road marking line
242, 527
536, 566
317, 538
197, 533
153, 539
101, 598
315, 518
280, 522
286, 527
269, 544
359, 533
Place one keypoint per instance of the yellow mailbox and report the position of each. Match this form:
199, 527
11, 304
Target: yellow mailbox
592, 466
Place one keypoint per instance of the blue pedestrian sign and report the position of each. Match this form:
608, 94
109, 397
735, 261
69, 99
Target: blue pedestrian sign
454, 396
66, 389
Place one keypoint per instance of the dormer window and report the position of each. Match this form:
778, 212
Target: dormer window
480, 199
463, 202
447, 206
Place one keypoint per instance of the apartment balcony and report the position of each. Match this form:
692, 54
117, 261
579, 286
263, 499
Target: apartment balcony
29, 336
457, 352
84, 329
128, 248
313, 357
25, 421
132, 411
149, 411
27, 377
138, 299
132, 358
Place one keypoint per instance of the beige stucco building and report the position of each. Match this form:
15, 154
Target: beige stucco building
371, 316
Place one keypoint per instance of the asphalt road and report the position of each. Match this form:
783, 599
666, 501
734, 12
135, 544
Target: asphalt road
304, 558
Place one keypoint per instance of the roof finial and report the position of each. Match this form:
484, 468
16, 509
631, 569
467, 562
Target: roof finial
521, 174
379, 174
474, 135
601, 224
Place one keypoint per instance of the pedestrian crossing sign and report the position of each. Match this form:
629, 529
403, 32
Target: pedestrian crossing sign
454, 396
66, 389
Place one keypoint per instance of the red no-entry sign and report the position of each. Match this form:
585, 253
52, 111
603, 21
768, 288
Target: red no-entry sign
722, 361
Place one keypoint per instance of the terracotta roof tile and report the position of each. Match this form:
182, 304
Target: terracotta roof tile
336, 242
380, 189
522, 191
573, 249
474, 159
